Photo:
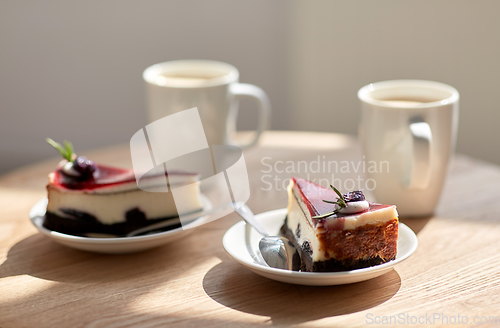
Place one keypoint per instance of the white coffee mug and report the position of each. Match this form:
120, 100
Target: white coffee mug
212, 87
408, 132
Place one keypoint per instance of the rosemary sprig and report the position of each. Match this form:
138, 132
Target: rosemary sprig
341, 203
67, 152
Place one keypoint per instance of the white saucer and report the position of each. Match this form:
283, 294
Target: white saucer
242, 244
119, 245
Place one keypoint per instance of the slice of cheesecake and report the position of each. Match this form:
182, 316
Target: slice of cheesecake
86, 199
358, 235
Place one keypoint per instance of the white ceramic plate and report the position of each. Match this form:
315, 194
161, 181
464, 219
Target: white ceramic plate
242, 244
120, 245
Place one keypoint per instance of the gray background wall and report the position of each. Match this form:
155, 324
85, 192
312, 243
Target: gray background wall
72, 69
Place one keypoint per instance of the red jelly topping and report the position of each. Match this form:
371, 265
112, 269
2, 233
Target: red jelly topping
104, 176
313, 196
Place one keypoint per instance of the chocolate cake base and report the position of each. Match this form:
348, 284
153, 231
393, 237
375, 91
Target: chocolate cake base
79, 223
330, 265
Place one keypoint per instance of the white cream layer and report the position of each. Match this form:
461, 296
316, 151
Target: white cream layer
295, 217
110, 207
298, 213
355, 207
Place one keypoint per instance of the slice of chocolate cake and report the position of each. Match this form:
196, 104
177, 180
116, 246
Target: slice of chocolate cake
85, 198
335, 232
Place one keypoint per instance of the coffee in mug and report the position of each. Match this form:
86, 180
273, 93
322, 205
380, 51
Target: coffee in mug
409, 128
211, 86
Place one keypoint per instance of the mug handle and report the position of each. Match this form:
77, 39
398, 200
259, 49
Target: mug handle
242, 90
422, 154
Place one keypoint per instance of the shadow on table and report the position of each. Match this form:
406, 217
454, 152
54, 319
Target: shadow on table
40, 257
287, 304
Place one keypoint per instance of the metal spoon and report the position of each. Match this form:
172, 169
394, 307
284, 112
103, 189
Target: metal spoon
278, 252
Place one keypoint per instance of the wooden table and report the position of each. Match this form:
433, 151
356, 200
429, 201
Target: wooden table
454, 272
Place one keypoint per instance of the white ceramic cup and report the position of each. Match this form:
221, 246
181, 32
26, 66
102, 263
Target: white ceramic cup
408, 131
212, 87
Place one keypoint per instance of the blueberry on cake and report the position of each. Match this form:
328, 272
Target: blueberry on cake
335, 232
88, 199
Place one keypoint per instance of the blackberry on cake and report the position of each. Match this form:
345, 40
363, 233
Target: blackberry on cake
89, 199
335, 232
